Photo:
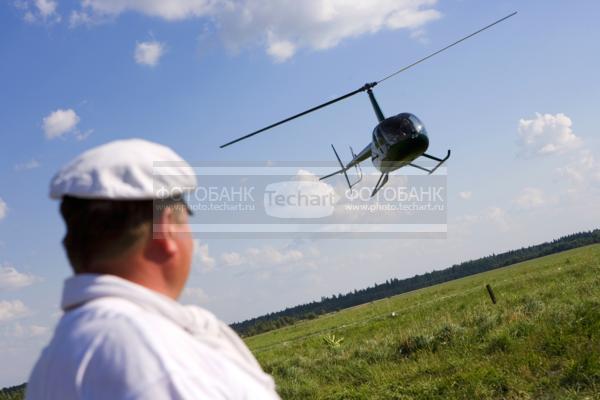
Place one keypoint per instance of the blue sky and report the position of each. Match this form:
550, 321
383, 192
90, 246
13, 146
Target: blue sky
517, 105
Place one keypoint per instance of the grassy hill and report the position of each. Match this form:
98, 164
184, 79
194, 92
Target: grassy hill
540, 341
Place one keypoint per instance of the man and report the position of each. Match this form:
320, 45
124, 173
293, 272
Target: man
123, 335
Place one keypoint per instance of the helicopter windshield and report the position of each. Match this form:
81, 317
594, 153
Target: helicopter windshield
417, 124
401, 126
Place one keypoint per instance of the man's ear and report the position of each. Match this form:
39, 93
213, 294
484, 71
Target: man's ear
165, 231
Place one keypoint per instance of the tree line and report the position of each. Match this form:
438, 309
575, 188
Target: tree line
396, 286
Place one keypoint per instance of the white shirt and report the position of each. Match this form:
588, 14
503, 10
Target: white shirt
119, 340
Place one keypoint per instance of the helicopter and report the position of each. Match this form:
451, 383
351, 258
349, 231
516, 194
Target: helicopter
396, 142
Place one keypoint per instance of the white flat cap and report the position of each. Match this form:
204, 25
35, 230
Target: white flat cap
133, 169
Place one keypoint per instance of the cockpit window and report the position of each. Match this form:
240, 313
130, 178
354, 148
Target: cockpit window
419, 127
402, 125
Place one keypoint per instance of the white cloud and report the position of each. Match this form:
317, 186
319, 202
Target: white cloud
547, 134
306, 176
12, 309
265, 256
281, 50
29, 17
203, 257
285, 26
552, 134
584, 169
20, 331
3, 209
282, 27
232, 259
39, 10
148, 53
60, 122
465, 195
46, 8
498, 217
81, 136
530, 197
10, 278
274, 256
78, 18
494, 216
37, 330
21, 4
194, 295
170, 10
420, 36
26, 166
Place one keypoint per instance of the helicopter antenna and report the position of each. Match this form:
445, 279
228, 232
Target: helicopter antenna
366, 87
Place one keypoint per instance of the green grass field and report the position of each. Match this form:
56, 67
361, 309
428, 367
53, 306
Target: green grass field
540, 341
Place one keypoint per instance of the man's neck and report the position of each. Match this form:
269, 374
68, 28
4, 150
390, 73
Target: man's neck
136, 269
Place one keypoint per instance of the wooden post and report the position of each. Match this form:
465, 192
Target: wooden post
491, 292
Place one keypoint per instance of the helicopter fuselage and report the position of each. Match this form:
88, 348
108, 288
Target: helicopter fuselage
397, 141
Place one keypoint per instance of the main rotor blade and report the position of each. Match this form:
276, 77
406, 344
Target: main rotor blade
362, 89
365, 87
447, 47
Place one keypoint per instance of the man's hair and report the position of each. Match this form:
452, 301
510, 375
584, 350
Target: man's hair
100, 230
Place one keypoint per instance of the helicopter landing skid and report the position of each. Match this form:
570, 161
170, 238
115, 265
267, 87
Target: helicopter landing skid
346, 168
439, 164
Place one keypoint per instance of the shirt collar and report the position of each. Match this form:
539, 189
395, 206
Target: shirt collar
83, 288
